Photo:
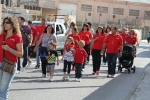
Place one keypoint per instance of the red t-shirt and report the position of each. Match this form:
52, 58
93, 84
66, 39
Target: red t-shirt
132, 40
34, 33
12, 42
76, 39
113, 43
40, 30
98, 44
69, 47
1, 50
80, 55
85, 36
124, 36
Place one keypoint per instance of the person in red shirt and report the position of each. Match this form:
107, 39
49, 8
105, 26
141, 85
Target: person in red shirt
86, 36
114, 43
1, 50
34, 40
132, 39
13, 48
76, 38
97, 42
80, 58
68, 57
124, 35
40, 29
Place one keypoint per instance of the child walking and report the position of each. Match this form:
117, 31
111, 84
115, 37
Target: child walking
51, 57
80, 56
68, 57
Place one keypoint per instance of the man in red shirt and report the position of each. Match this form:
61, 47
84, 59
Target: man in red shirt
40, 29
35, 36
114, 43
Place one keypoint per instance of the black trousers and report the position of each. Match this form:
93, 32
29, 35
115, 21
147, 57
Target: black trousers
44, 64
96, 59
87, 49
67, 64
104, 57
148, 39
78, 71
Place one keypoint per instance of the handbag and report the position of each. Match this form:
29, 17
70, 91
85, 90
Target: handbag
28, 37
8, 66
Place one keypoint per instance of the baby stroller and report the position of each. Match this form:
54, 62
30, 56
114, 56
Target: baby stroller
127, 58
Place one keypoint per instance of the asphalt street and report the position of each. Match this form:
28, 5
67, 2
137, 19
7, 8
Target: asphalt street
30, 86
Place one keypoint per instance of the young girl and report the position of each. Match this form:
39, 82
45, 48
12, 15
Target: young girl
51, 57
68, 57
80, 56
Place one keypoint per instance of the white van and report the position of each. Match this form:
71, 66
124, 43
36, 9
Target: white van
60, 31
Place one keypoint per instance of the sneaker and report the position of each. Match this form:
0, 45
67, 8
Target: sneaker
43, 76
112, 76
29, 64
76, 79
98, 72
79, 80
37, 66
73, 68
18, 72
22, 69
104, 63
64, 78
83, 69
51, 79
108, 76
93, 73
67, 78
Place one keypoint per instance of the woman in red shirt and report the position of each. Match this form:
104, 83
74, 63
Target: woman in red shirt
76, 38
97, 41
132, 39
86, 36
13, 48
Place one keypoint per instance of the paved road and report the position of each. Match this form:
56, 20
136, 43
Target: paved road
30, 86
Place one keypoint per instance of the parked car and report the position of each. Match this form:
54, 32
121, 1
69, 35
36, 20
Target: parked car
60, 31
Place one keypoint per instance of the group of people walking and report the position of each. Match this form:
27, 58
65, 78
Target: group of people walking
20, 40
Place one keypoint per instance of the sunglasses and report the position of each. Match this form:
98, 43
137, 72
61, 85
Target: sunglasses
7, 22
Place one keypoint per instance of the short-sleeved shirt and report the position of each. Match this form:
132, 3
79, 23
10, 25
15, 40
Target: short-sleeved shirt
1, 50
68, 52
92, 31
27, 29
45, 40
40, 30
76, 39
52, 56
124, 36
34, 33
12, 42
80, 55
85, 36
113, 43
99, 42
132, 40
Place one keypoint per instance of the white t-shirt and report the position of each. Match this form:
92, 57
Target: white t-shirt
69, 30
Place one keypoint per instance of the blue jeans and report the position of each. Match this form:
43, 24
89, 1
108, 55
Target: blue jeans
5, 81
111, 58
37, 56
25, 57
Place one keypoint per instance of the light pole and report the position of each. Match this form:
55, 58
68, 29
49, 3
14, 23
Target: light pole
100, 18
113, 19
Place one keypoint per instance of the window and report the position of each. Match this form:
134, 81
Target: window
86, 8
147, 13
30, 7
118, 11
2, 1
61, 29
34, 8
101, 9
7, 2
133, 12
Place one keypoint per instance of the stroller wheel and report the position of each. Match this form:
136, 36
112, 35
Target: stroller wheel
134, 69
128, 71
